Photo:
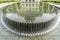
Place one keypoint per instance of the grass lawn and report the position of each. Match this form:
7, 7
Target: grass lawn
58, 1
3, 1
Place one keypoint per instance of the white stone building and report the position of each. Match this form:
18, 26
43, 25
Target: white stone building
30, 4
30, 0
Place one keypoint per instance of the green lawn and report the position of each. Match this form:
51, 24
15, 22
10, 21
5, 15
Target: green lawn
3, 1
58, 1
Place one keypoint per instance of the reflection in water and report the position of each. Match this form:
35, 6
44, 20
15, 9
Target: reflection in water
31, 18
41, 13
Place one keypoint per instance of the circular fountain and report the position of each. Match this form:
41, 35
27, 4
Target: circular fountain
30, 19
